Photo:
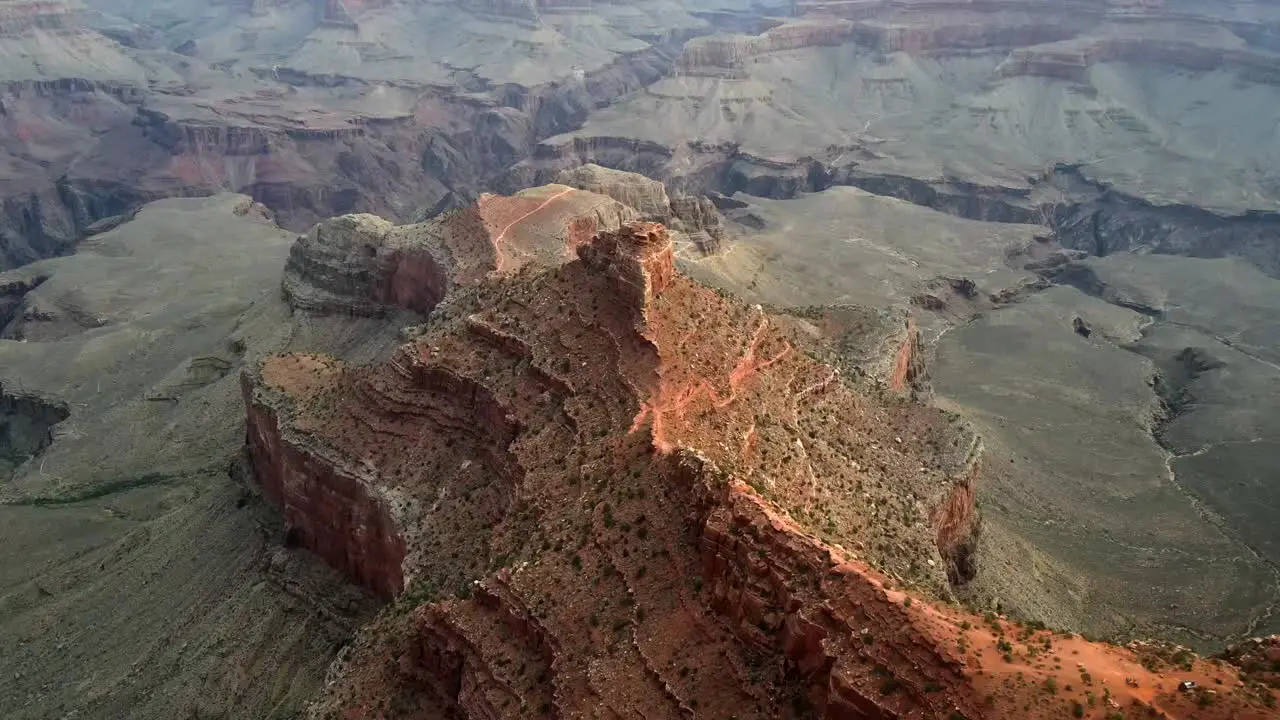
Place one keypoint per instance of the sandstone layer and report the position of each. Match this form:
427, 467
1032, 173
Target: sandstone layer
364, 265
595, 487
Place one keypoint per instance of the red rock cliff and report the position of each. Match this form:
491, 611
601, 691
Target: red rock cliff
618, 491
327, 509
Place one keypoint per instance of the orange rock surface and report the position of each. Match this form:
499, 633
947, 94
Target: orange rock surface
595, 488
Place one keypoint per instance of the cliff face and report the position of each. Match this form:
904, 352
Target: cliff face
1031, 28
888, 27
1071, 60
726, 54
307, 147
647, 196
607, 488
956, 522
329, 511
909, 364
26, 427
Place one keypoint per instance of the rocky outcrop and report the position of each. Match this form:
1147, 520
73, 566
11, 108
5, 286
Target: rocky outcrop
695, 216
639, 260
1071, 60
648, 197
607, 487
327, 509
767, 577
202, 138
726, 55
883, 345
364, 265
350, 265
1258, 659
703, 222
968, 34
890, 26
26, 426
956, 522
13, 292
908, 362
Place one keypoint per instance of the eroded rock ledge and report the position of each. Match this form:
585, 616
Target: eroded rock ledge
26, 426
364, 265
593, 485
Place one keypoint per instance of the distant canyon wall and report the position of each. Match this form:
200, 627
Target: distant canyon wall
446, 152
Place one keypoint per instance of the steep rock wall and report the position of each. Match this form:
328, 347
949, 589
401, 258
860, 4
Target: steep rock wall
726, 54
347, 265
26, 426
957, 523
909, 362
327, 510
1072, 60
766, 576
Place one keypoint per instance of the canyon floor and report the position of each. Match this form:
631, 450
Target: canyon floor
1043, 232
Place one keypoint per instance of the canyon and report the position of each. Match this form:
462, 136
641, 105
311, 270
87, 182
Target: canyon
983, 378
594, 485
154, 322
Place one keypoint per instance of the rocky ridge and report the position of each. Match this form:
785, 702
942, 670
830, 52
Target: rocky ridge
591, 483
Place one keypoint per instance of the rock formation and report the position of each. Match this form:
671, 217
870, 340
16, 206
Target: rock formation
364, 265
726, 55
26, 427
695, 216
595, 486
648, 197
1258, 658
296, 134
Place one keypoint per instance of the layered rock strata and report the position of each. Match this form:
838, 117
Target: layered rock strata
93, 128
609, 489
364, 265
693, 215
